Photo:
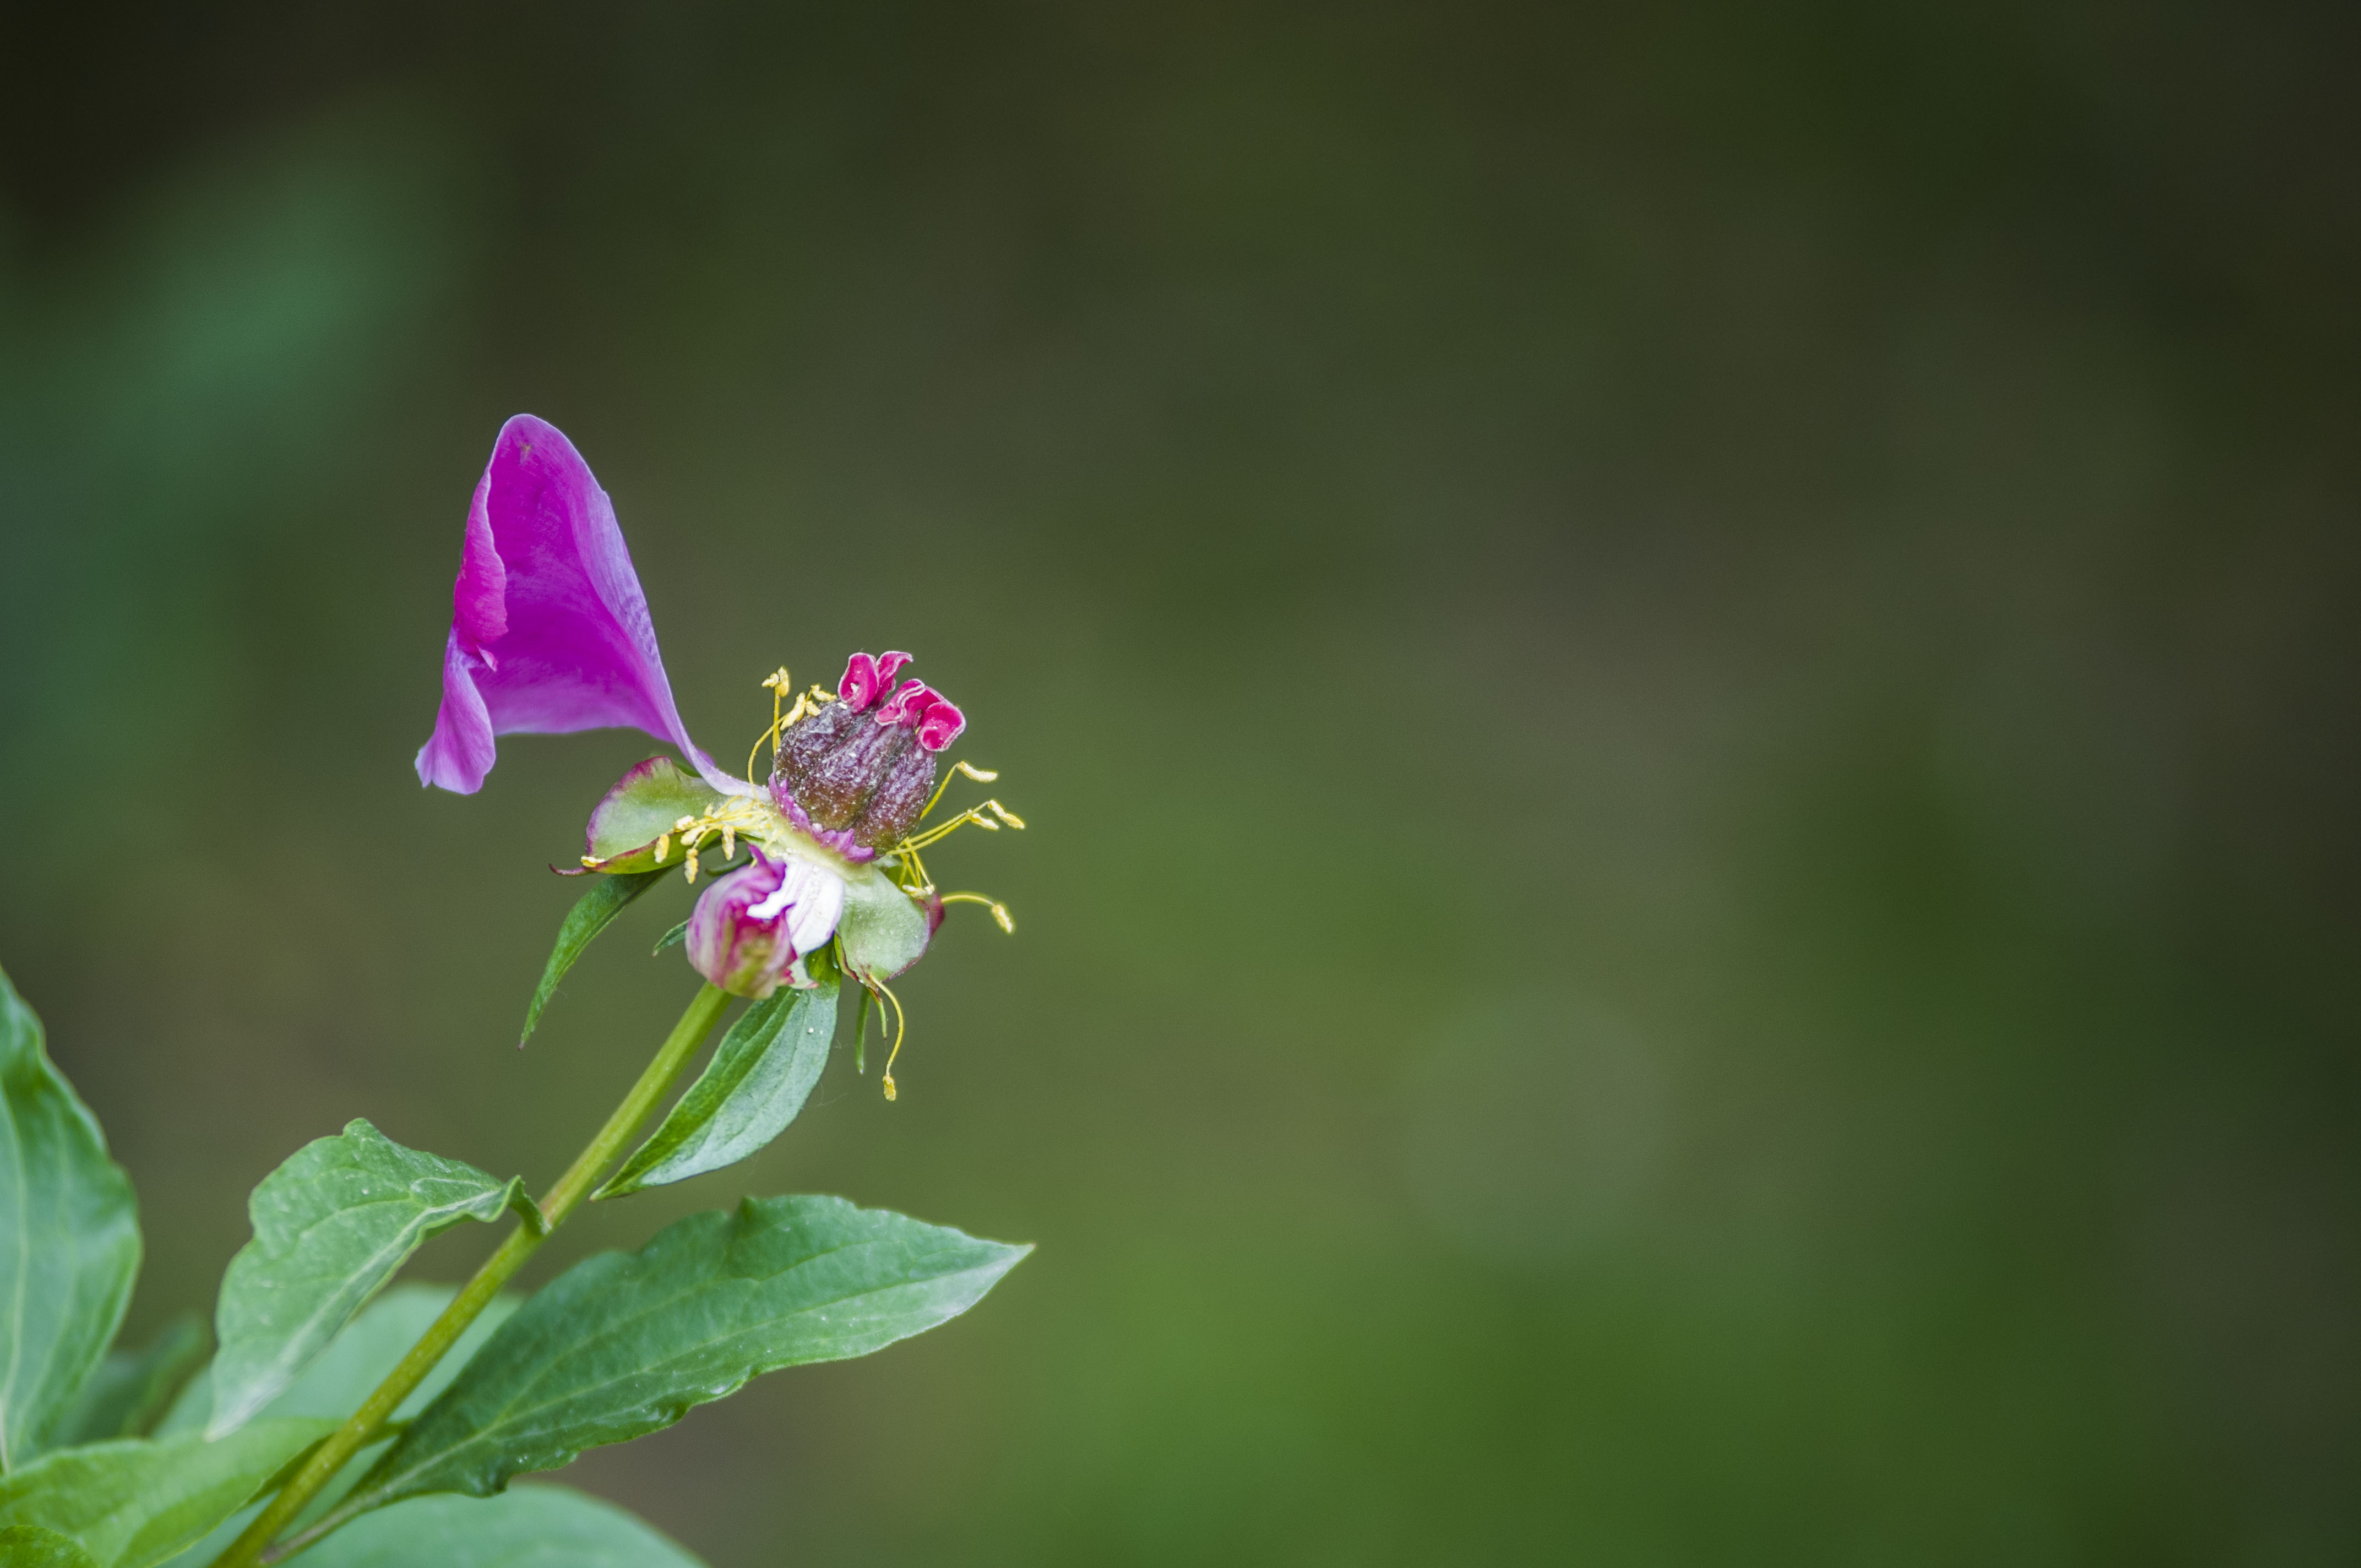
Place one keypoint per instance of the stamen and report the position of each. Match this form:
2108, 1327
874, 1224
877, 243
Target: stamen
901, 1027
918, 883
778, 680
981, 775
999, 910
973, 814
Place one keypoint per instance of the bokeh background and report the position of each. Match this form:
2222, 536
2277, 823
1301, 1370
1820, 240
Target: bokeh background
1684, 678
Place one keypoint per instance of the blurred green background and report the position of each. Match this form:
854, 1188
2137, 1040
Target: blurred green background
1684, 678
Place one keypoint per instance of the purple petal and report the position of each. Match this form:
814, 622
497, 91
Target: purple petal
549, 629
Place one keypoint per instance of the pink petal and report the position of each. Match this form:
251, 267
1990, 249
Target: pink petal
549, 629
905, 705
866, 678
859, 688
942, 725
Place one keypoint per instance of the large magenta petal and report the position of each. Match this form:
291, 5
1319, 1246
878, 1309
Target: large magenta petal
549, 629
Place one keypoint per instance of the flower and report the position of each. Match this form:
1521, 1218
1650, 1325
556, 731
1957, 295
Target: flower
550, 633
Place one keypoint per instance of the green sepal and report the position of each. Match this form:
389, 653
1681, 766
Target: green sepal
882, 930
757, 1081
331, 1226
672, 939
129, 1392
640, 811
591, 914
135, 1502
72, 1233
626, 1343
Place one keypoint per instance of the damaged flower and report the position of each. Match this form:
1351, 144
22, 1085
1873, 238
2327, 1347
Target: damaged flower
550, 633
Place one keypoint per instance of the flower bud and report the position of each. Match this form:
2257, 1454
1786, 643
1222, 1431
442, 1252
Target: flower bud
861, 770
749, 926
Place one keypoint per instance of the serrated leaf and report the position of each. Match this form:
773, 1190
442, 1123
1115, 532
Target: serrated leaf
132, 1503
625, 1344
757, 1081
641, 808
592, 912
530, 1527
69, 1238
331, 1225
128, 1392
882, 930
29, 1546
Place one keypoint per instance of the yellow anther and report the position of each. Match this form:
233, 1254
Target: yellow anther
776, 683
590, 860
981, 775
901, 1027
1004, 814
999, 910
664, 848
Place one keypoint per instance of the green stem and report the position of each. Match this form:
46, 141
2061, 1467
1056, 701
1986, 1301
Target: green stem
334, 1454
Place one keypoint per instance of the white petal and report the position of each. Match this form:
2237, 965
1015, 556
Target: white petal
818, 896
780, 898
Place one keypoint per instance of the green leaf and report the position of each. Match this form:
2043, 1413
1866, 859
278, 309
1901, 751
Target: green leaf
356, 1360
882, 930
29, 1546
530, 1527
756, 1082
625, 1344
331, 1225
135, 1502
672, 939
335, 1383
127, 1392
69, 1238
640, 809
591, 914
